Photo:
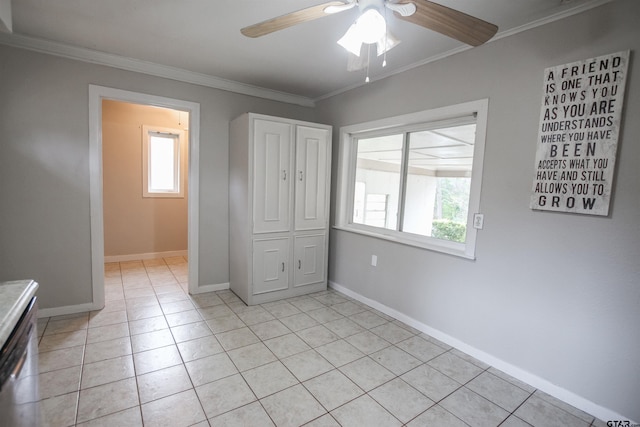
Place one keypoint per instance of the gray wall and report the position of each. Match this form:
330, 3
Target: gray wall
44, 169
555, 296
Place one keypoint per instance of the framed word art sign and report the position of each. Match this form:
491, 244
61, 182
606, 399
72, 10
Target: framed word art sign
578, 135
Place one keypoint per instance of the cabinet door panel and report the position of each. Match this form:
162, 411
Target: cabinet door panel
270, 265
312, 151
271, 159
309, 262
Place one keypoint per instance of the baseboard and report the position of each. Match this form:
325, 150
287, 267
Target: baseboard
69, 309
209, 288
149, 255
516, 372
82, 308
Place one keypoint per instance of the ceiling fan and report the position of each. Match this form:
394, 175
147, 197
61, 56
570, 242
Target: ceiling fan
370, 28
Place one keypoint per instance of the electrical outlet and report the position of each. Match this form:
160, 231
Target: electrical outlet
478, 221
374, 260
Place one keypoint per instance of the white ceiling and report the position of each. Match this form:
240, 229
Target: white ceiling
202, 37
441, 149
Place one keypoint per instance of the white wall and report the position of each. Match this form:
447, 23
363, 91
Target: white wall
420, 202
553, 297
382, 183
44, 168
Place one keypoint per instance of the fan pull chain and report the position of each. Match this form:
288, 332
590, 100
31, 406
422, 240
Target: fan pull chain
384, 58
366, 80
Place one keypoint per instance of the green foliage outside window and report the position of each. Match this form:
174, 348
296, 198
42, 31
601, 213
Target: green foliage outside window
449, 230
450, 211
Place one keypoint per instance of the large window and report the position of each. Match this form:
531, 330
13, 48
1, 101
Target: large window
415, 179
162, 170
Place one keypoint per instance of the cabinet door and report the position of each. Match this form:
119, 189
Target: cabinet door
271, 179
270, 265
312, 163
309, 259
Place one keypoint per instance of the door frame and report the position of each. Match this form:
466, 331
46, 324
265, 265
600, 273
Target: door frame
96, 95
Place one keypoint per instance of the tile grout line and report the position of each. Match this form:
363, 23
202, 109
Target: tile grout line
82, 364
326, 303
135, 370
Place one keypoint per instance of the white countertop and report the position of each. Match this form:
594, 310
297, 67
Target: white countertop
14, 299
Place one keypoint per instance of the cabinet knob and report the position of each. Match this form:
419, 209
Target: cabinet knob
284, 175
300, 174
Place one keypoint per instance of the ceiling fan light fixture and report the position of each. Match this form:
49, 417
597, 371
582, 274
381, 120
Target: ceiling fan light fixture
370, 28
351, 40
386, 43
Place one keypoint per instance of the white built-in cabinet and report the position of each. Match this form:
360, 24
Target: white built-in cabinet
279, 183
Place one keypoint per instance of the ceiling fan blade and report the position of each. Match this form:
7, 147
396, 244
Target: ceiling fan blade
330, 10
450, 22
289, 20
404, 9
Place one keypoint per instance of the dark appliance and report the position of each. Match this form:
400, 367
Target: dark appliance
19, 372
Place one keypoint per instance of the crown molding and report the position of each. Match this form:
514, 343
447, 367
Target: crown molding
182, 75
149, 68
582, 7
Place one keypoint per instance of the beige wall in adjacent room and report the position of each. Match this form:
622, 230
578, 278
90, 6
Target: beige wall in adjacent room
134, 224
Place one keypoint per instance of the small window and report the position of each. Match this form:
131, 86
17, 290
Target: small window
162, 169
415, 179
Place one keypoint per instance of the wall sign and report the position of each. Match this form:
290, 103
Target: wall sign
578, 135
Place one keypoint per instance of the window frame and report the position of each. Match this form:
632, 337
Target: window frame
404, 124
179, 168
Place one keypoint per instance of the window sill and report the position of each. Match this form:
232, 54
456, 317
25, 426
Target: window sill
407, 241
163, 196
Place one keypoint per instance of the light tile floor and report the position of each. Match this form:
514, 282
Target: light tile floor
155, 356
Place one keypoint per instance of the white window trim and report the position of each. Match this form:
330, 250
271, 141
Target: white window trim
147, 130
346, 175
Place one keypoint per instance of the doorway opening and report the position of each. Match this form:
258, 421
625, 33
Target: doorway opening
157, 233
145, 194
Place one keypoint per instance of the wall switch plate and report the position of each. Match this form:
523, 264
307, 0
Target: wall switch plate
478, 221
374, 260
